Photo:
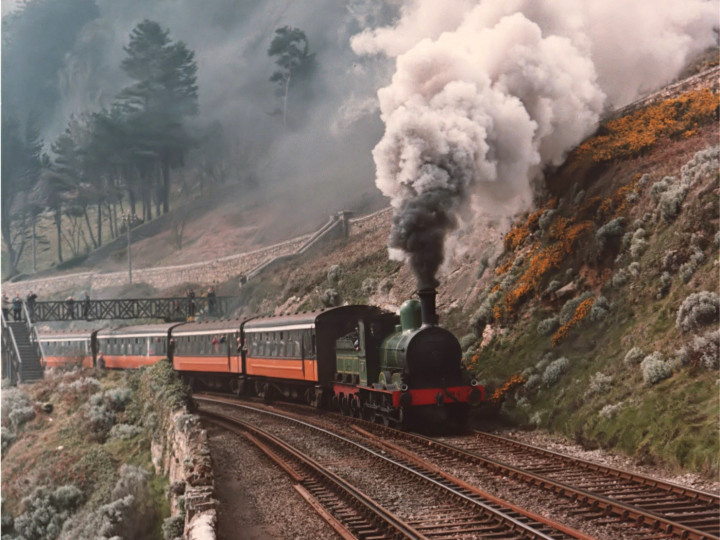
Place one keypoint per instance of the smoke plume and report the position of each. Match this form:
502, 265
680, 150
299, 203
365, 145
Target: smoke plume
485, 94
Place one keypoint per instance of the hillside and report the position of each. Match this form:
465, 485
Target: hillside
594, 315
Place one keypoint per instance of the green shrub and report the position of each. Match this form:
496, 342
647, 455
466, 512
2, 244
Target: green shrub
638, 244
600, 309
599, 384
8, 438
548, 326
173, 527
671, 201
369, 286
554, 371
45, 511
334, 274
124, 431
612, 229
546, 219
704, 164
568, 310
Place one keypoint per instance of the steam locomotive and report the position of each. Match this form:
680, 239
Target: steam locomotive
358, 359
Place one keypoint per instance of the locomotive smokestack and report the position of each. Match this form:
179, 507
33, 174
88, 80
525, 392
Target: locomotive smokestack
427, 306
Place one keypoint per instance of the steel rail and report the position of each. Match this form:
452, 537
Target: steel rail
375, 511
500, 514
605, 505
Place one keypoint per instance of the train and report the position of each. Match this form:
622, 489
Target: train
360, 360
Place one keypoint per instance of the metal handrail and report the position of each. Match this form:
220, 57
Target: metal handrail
32, 334
15, 358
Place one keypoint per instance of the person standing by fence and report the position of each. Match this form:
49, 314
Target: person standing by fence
86, 306
30, 301
17, 308
70, 304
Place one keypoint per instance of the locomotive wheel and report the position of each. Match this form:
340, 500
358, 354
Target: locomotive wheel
344, 407
354, 407
401, 418
334, 403
384, 419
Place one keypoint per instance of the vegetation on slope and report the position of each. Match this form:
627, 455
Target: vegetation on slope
76, 454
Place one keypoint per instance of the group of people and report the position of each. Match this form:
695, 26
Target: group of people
16, 305
212, 302
31, 299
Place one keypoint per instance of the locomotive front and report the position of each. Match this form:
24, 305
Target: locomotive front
424, 360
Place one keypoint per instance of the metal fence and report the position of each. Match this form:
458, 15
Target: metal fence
168, 309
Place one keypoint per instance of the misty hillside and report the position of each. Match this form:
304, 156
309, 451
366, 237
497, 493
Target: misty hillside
573, 241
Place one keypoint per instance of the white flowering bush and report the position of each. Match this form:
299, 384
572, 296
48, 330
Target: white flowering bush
660, 187
45, 511
688, 269
330, 298
702, 351
548, 326
13, 399
334, 274
484, 314
704, 164
130, 513
599, 384
697, 310
671, 201
655, 368
124, 431
7, 438
638, 244
79, 386
173, 527
634, 269
608, 411
620, 278
600, 309
633, 356
554, 371
532, 382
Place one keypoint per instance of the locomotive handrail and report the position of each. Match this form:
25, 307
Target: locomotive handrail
14, 359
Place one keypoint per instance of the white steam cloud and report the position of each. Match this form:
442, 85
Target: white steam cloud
487, 93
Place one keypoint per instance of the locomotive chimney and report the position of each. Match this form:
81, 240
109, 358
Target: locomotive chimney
427, 306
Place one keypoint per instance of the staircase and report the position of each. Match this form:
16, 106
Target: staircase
30, 366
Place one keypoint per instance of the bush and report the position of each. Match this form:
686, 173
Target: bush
46, 510
634, 269
633, 356
638, 244
620, 278
548, 326
697, 310
665, 284
608, 411
599, 384
532, 382
131, 513
600, 309
552, 373
467, 340
330, 298
21, 415
12, 399
553, 286
568, 310
658, 188
655, 368
334, 274
704, 164
369, 286
671, 201
80, 386
703, 351
173, 527
124, 431
546, 219
8, 438
612, 229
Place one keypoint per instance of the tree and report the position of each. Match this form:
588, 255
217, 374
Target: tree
292, 56
157, 105
21, 163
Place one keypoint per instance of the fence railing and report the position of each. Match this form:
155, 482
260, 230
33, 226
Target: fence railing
11, 353
169, 309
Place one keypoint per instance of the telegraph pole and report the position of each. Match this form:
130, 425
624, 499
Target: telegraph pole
129, 219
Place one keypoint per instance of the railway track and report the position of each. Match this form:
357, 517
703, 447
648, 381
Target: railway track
465, 511
607, 495
631, 504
